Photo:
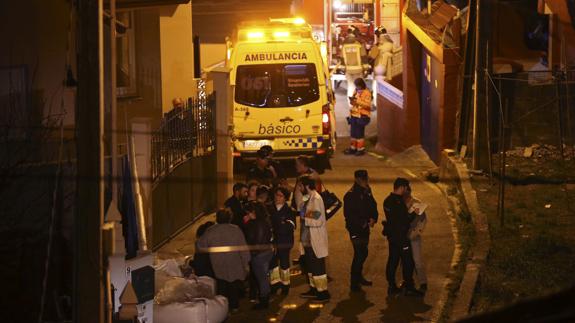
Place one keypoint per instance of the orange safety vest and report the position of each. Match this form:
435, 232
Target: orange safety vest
362, 106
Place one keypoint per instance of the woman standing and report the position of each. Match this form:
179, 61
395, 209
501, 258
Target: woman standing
259, 237
359, 117
283, 223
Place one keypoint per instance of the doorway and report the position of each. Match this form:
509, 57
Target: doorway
429, 121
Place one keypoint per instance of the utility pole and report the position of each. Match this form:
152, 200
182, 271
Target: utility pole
89, 265
479, 140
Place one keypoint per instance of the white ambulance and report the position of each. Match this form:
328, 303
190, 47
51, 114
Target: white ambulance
282, 94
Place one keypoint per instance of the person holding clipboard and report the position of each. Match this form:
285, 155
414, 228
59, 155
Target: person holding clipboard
417, 208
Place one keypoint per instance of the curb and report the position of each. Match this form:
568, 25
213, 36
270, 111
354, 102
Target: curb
443, 298
454, 171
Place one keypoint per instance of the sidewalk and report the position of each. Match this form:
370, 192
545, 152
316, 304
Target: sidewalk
373, 305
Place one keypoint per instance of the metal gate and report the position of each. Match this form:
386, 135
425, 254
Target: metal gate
183, 167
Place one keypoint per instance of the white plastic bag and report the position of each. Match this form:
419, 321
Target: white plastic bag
198, 310
180, 290
170, 267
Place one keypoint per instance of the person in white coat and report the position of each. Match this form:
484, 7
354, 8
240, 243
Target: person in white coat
416, 229
313, 239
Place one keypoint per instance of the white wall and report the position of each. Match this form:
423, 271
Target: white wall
211, 54
177, 53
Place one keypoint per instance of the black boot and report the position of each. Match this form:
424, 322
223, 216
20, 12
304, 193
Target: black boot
410, 290
311, 293
365, 282
350, 151
323, 296
263, 303
356, 288
393, 290
275, 288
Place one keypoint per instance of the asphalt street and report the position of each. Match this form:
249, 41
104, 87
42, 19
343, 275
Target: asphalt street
372, 305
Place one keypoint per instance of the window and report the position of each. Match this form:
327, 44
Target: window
276, 85
125, 54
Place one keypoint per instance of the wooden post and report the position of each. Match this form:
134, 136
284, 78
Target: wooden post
89, 268
224, 168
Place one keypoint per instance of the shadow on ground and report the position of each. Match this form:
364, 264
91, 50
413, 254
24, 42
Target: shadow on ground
349, 309
404, 309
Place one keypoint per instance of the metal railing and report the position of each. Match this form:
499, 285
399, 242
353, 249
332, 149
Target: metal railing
185, 132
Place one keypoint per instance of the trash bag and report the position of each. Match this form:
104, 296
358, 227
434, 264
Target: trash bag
180, 290
197, 310
170, 267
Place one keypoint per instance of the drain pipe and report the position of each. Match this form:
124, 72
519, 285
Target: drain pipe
142, 236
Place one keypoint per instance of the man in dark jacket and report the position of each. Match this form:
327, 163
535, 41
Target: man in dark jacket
283, 224
235, 203
396, 228
259, 237
360, 211
261, 171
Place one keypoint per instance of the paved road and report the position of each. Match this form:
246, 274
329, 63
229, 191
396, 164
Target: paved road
372, 305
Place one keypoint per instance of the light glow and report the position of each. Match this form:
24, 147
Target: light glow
325, 118
255, 35
281, 34
337, 5
299, 21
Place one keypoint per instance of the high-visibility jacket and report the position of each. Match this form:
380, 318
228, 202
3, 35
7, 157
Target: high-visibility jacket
362, 105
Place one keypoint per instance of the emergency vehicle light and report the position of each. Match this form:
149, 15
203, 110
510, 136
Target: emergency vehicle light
281, 34
299, 21
295, 21
255, 35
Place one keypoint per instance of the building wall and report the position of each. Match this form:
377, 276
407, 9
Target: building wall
147, 103
507, 26
177, 53
311, 10
34, 38
211, 54
402, 127
216, 19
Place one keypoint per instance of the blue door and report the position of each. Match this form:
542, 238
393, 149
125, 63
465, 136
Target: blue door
429, 121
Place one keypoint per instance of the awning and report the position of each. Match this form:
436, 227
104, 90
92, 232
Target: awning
137, 4
355, 1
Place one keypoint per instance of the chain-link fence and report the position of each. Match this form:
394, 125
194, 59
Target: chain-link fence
532, 118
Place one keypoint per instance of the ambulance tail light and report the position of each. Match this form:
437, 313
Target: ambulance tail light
325, 122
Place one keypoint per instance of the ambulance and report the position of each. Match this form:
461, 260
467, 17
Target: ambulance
282, 96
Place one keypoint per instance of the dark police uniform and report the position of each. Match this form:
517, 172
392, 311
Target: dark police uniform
359, 207
263, 176
396, 227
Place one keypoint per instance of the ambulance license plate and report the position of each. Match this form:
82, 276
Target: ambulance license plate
256, 144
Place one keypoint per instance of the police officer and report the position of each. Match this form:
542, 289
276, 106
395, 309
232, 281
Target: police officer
261, 171
396, 228
360, 211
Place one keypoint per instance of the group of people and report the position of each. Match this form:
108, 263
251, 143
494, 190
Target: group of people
251, 241
405, 220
